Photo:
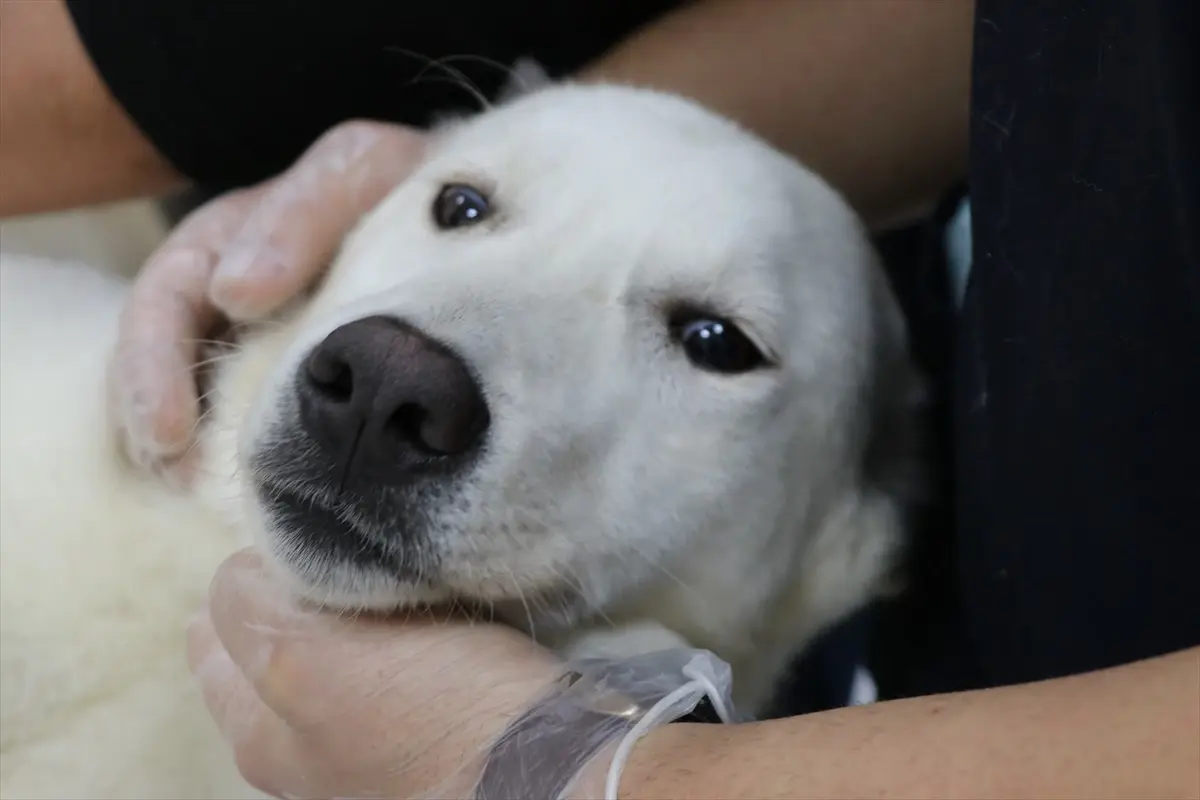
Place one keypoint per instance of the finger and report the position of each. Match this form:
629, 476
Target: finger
154, 391
310, 668
270, 640
266, 750
168, 311
294, 232
229, 696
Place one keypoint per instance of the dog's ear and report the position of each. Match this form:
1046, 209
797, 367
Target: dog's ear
525, 77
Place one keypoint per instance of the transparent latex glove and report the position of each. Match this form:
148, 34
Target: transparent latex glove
237, 258
316, 706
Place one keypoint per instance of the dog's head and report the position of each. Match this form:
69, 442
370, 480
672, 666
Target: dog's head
597, 333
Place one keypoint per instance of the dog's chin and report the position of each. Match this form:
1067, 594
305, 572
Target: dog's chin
317, 533
344, 587
340, 587
329, 560
328, 557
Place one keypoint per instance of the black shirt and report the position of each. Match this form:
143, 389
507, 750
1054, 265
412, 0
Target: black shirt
233, 91
1075, 388
1078, 392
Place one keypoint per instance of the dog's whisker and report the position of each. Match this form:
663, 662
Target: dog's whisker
453, 76
508, 71
122, 358
212, 361
567, 574
214, 343
658, 566
209, 412
524, 603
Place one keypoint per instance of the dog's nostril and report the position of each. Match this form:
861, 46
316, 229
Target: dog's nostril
448, 430
382, 397
406, 423
331, 376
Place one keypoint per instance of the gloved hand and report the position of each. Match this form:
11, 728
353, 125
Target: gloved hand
316, 705
240, 257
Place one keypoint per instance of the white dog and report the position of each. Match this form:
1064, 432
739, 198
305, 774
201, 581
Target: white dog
605, 362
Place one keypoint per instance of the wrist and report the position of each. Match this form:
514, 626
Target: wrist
479, 719
662, 765
578, 738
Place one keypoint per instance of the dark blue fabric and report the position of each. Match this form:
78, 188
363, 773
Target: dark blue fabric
1077, 375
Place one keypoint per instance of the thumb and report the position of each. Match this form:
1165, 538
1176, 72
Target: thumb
294, 232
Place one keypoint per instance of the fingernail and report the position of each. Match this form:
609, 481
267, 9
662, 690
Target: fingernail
138, 401
248, 261
235, 263
183, 261
243, 286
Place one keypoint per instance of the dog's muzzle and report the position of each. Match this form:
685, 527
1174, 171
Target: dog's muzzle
384, 419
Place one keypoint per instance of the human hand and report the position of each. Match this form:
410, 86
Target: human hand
316, 705
238, 258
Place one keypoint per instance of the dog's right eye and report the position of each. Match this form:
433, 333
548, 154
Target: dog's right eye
458, 206
716, 345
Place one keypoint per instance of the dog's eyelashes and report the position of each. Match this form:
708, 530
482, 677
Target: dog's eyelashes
459, 205
717, 345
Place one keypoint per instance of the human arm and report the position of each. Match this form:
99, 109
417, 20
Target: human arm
1129, 731
875, 101
874, 97
109, 100
64, 139
321, 705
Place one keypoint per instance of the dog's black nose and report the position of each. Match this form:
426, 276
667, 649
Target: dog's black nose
383, 398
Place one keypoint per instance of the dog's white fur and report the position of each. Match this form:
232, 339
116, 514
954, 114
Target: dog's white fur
739, 513
117, 237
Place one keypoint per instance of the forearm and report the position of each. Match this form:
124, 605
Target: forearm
1132, 731
873, 96
64, 140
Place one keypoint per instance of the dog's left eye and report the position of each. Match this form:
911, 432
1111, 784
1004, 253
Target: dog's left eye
458, 206
717, 345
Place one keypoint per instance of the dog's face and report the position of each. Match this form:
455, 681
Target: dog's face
598, 333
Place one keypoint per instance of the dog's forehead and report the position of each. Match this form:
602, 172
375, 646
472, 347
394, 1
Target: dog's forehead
679, 186
630, 143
